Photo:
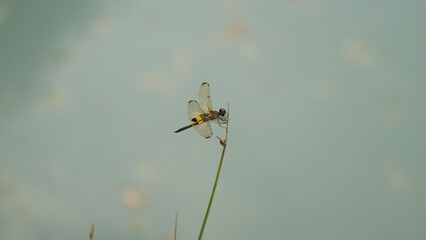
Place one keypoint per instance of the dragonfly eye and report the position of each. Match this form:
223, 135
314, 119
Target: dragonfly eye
222, 112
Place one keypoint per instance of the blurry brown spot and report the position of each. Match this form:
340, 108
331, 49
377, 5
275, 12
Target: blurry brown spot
399, 180
57, 98
101, 26
236, 31
132, 198
358, 52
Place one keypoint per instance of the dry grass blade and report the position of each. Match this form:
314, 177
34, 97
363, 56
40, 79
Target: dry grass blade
92, 232
176, 222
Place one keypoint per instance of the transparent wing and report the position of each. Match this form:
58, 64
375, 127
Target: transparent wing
204, 129
194, 109
220, 120
204, 97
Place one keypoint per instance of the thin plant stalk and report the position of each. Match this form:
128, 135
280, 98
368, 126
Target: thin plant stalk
92, 232
176, 222
224, 143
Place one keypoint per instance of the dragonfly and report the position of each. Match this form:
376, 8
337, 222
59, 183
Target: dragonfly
200, 113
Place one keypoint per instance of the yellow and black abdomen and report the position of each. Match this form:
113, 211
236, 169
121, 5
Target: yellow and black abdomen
199, 119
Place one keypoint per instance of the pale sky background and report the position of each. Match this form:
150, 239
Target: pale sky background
327, 133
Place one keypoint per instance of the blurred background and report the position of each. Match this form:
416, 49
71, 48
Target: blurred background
327, 133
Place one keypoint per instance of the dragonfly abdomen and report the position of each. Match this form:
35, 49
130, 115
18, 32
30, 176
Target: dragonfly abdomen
197, 120
200, 119
183, 128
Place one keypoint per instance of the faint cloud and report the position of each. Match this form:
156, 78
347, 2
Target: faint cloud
238, 29
322, 91
238, 32
235, 31
250, 50
132, 198
148, 174
182, 60
101, 26
358, 52
139, 224
4, 13
57, 98
401, 182
159, 83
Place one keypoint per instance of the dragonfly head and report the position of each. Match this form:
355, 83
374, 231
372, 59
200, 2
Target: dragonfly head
222, 112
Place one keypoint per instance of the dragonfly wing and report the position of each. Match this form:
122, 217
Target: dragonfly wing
204, 129
204, 97
220, 120
194, 109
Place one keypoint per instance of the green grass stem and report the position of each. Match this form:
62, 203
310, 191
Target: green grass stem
224, 144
